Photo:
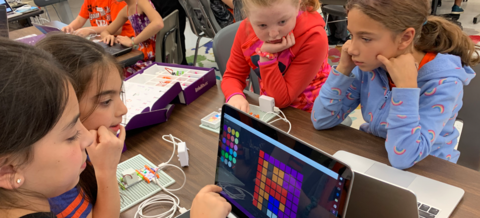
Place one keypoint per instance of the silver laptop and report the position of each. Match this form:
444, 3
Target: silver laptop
434, 198
3, 21
10, 12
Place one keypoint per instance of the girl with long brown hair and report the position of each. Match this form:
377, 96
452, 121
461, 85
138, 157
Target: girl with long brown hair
407, 71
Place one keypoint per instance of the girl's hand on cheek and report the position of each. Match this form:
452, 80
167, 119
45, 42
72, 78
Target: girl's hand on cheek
105, 151
346, 63
287, 42
402, 70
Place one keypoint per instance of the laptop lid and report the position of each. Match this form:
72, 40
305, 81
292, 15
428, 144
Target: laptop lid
3, 21
116, 50
265, 172
384, 199
9, 9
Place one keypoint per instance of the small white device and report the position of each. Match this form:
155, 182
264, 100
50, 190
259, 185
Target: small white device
182, 150
183, 154
130, 177
266, 103
212, 120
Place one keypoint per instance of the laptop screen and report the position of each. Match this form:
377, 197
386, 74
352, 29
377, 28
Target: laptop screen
2, 2
267, 173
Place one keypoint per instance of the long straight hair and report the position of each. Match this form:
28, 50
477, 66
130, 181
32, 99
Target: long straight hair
84, 61
33, 96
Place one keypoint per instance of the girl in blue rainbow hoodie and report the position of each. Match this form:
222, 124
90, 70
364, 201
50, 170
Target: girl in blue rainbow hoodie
408, 79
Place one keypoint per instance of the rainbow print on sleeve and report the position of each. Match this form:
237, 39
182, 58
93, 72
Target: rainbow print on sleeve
440, 107
399, 152
432, 135
337, 90
384, 124
414, 130
431, 92
349, 96
373, 75
396, 103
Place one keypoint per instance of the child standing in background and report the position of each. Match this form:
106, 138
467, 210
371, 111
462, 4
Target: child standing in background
146, 22
100, 13
285, 43
407, 69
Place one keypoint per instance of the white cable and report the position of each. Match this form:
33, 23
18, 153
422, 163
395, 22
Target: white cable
159, 200
284, 118
173, 138
163, 199
163, 165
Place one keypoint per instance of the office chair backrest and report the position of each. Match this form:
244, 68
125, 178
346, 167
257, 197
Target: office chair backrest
43, 3
168, 47
222, 45
201, 17
469, 145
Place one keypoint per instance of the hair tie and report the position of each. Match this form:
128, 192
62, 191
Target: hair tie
425, 22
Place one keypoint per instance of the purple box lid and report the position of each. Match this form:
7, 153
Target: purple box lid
197, 88
31, 40
150, 118
166, 98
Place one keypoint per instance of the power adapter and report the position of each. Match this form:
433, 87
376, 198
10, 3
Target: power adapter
183, 154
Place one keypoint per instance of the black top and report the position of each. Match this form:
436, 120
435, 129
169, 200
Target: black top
39, 215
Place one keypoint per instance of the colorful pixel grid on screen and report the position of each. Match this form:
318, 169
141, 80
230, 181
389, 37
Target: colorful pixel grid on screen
277, 187
229, 146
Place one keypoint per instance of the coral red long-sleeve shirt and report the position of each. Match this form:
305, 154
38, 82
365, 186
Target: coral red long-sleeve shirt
295, 77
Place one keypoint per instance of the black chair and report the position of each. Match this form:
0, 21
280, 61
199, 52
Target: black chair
202, 21
337, 10
222, 44
333, 10
168, 48
469, 144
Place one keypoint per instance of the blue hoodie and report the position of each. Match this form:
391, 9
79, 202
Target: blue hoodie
416, 122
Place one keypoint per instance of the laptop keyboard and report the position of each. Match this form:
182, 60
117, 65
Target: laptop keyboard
426, 211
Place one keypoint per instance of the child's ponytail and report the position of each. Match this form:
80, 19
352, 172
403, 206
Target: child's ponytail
310, 5
442, 36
